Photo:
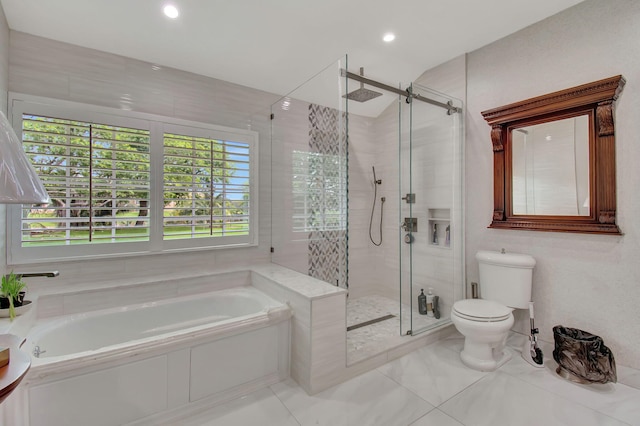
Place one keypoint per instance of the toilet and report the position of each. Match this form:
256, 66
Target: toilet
505, 285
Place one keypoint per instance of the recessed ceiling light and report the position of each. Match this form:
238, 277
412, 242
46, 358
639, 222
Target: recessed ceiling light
171, 11
389, 37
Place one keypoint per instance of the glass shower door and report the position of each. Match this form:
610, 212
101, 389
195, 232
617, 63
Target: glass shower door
430, 209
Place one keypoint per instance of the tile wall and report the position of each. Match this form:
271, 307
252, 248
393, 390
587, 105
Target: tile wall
580, 280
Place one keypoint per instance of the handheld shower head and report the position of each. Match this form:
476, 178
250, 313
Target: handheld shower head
376, 181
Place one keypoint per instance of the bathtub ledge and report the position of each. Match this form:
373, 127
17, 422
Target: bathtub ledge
304, 285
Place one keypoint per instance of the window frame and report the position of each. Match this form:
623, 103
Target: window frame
157, 125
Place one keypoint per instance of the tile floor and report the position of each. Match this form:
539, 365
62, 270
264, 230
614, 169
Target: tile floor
432, 387
370, 340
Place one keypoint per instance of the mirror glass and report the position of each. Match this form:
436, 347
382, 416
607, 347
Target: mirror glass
550, 168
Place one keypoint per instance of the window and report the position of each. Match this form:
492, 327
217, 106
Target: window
97, 177
319, 192
130, 184
206, 187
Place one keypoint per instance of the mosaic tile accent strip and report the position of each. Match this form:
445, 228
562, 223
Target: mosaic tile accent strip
328, 206
328, 257
327, 131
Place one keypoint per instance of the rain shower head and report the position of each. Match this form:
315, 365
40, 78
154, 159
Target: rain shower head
362, 94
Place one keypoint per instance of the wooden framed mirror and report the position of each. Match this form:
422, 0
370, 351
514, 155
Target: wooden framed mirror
554, 166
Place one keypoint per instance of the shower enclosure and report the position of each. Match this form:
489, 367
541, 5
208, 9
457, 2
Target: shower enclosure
339, 155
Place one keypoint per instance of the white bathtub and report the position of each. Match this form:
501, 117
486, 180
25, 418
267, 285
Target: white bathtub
152, 360
106, 331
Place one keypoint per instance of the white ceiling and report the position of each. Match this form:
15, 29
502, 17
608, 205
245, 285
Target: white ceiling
276, 45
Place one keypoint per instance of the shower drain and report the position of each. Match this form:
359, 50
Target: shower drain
373, 321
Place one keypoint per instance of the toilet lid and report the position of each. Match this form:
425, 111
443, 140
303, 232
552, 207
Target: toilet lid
481, 310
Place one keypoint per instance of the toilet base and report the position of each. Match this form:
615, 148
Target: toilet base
482, 357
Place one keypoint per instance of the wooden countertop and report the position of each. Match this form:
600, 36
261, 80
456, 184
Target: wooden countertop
12, 374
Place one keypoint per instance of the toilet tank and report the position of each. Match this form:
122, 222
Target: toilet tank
506, 277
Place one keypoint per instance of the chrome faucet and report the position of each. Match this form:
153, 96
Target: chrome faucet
48, 274
37, 351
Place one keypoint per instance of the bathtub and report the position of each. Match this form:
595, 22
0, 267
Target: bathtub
152, 360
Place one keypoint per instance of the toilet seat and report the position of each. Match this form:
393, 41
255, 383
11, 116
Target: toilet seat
481, 310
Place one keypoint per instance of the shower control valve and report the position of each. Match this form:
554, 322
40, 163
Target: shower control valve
410, 224
410, 198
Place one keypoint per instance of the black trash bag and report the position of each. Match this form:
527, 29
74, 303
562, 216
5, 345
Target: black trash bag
583, 355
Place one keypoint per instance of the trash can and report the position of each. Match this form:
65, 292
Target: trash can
582, 357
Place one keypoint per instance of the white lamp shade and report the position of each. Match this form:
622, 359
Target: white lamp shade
19, 182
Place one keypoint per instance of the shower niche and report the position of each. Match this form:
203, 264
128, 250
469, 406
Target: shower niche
440, 229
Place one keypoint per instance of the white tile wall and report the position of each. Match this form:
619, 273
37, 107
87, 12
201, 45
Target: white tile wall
362, 156
328, 341
583, 281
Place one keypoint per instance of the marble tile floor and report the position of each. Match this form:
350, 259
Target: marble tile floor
372, 339
431, 387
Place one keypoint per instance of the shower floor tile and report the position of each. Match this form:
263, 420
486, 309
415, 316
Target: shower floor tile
372, 339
